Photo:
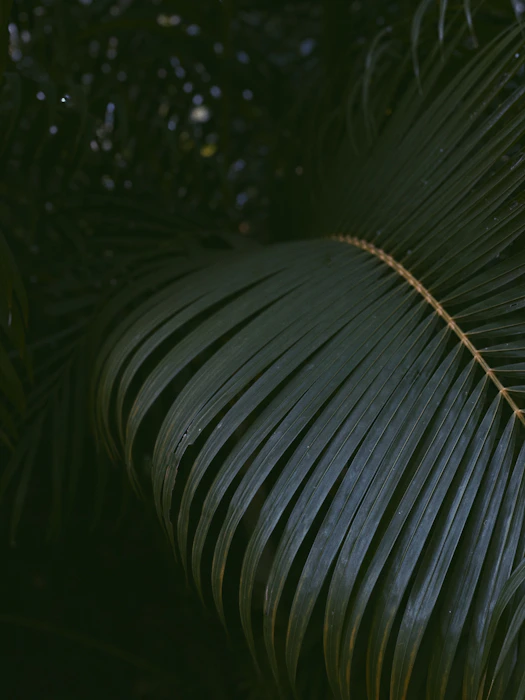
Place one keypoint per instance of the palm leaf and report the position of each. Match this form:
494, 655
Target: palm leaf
355, 405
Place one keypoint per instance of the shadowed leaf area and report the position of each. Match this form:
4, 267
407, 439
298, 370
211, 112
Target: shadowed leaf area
264, 269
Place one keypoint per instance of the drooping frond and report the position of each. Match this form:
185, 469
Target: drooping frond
364, 398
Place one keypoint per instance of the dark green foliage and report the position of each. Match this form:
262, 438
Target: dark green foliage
331, 431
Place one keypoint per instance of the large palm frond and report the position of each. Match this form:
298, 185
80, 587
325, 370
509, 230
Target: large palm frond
363, 397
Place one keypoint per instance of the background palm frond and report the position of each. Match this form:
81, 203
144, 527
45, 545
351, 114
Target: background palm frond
87, 208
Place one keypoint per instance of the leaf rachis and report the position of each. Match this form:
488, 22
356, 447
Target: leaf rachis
439, 309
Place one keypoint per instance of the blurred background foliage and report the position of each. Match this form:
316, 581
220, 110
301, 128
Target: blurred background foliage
131, 131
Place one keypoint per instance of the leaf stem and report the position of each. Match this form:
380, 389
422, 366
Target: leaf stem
439, 309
